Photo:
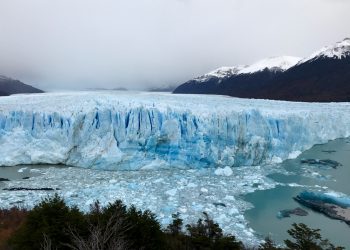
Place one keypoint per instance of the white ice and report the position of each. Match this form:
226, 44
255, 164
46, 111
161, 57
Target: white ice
189, 192
132, 131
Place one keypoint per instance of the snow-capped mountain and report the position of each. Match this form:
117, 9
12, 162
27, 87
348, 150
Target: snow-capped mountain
238, 81
9, 86
281, 63
339, 50
220, 73
274, 64
323, 76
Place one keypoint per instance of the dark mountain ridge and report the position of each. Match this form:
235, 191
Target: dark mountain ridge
323, 77
10, 86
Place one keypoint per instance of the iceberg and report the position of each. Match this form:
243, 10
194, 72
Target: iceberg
138, 130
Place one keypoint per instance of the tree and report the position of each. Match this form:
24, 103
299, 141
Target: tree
207, 234
145, 232
307, 238
48, 221
121, 227
108, 235
269, 244
176, 226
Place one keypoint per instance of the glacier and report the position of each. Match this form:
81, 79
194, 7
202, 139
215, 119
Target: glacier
119, 130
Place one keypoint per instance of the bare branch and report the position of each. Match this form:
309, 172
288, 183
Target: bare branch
103, 236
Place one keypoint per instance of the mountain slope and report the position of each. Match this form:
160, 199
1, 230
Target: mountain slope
324, 76
10, 86
239, 81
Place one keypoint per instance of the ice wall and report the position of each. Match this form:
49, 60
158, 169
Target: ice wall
131, 131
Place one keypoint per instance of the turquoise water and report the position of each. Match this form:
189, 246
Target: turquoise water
268, 203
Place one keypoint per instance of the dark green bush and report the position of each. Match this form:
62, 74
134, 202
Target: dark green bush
53, 225
207, 234
51, 218
307, 238
145, 231
269, 244
176, 226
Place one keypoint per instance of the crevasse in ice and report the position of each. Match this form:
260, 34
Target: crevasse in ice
132, 131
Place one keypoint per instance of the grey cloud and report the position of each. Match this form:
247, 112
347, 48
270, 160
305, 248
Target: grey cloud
79, 44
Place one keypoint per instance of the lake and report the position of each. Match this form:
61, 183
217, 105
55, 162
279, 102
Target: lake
267, 203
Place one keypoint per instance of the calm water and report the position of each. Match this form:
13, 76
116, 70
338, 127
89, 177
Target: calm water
268, 203
23, 171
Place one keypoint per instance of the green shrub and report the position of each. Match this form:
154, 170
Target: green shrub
207, 234
176, 226
269, 244
50, 219
139, 230
307, 238
53, 225
145, 231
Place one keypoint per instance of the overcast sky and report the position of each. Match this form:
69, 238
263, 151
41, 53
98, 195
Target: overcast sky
80, 44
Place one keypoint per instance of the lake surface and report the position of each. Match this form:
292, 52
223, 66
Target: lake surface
267, 203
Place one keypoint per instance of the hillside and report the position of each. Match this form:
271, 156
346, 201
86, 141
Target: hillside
322, 77
10, 86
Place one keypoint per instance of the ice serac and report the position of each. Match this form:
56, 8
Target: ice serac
132, 131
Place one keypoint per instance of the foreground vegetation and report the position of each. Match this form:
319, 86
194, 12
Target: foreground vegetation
54, 225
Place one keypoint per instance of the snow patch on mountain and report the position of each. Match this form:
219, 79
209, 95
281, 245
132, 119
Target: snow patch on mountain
281, 63
338, 50
222, 72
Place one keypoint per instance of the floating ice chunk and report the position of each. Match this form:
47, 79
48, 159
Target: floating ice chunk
226, 171
182, 209
192, 185
240, 217
35, 170
248, 233
294, 154
204, 190
295, 185
229, 197
25, 170
89, 202
159, 180
221, 219
233, 211
171, 192
133, 186
198, 207
276, 159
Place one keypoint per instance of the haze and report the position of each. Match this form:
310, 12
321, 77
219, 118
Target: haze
83, 44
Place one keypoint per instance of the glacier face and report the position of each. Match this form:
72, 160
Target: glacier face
135, 130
